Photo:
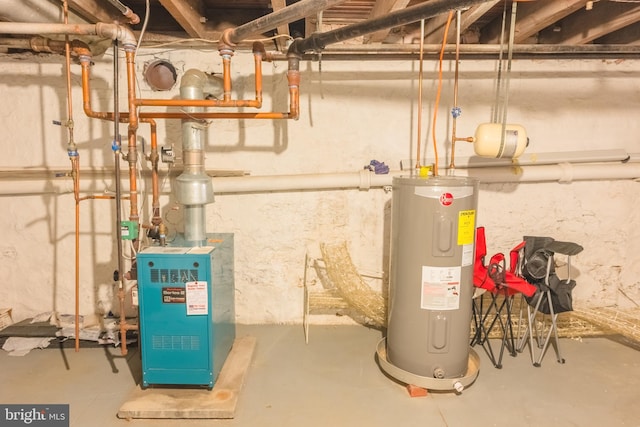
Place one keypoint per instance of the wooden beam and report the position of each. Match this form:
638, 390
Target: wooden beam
434, 28
468, 18
189, 14
531, 18
95, 11
534, 17
629, 35
283, 30
585, 25
381, 8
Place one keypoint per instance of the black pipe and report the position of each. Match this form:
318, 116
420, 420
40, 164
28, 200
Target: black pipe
116, 154
286, 15
319, 41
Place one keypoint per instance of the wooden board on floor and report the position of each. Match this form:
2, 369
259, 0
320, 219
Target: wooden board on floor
220, 402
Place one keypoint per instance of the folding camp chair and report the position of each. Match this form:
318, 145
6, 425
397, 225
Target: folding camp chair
552, 296
500, 285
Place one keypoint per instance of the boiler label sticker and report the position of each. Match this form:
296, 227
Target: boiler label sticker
440, 288
197, 298
466, 227
173, 295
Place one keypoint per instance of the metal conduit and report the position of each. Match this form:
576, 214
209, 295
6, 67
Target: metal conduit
416, 13
288, 14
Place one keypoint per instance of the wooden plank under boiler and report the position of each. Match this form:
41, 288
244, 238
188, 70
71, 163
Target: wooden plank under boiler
174, 403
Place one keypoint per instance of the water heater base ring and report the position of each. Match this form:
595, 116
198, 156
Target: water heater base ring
430, 383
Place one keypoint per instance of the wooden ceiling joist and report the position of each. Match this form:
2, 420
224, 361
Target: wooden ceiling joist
434, 28
585, 25
532, 17
382, 8
283, 30
189, 14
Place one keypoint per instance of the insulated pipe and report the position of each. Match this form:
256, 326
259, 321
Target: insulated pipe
362, 180
132, 151
299, 10
111, 31
154, 158
24, 11
319, 41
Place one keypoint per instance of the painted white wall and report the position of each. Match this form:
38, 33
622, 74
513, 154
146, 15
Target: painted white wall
351, 112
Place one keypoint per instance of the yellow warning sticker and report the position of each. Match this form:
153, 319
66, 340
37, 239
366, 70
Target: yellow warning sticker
466, 227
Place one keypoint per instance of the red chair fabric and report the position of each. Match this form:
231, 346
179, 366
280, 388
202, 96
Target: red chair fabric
497, 280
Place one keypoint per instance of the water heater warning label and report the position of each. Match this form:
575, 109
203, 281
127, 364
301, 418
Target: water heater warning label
466, 227
440, 288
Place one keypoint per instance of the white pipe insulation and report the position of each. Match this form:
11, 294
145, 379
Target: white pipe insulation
35, 11
111, 31
362, 180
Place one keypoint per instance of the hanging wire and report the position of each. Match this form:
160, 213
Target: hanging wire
144, 26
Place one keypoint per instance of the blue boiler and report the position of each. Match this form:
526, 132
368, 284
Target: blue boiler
187, 311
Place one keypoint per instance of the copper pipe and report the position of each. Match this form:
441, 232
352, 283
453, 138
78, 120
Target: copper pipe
75, 173
226, 73
294, 94
293, 78
124, 327
132, 158
154, 158
197, 103
211, 115
132, 153
97, 196
294, 97
258, 53
452, 164
85, 62
420, 76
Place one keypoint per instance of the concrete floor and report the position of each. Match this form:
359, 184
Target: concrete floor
335, 381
